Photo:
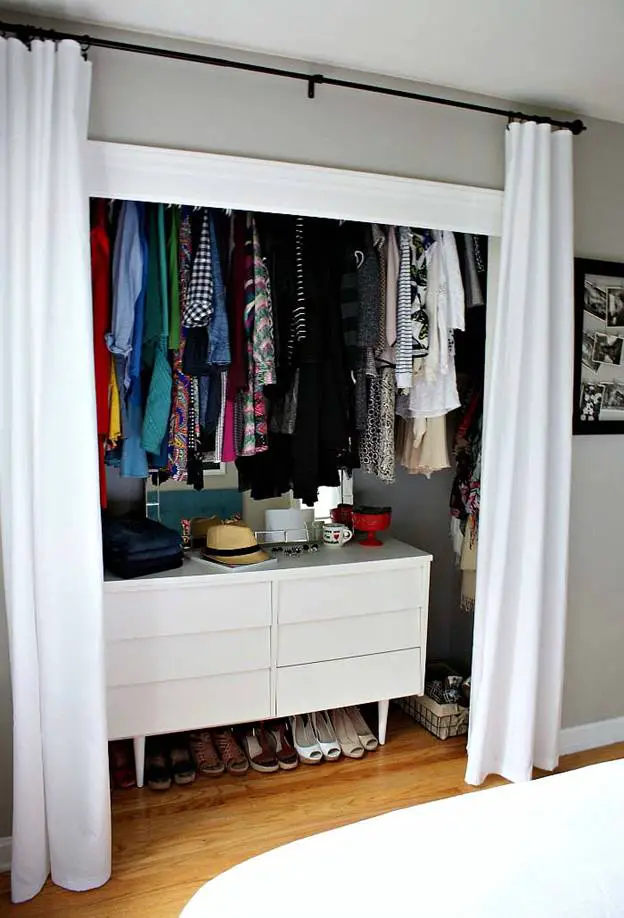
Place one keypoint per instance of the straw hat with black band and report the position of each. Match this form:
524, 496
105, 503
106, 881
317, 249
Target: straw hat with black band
232, 544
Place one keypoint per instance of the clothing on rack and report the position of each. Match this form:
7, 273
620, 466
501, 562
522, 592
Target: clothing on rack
133, 462
403, 350
101, 293
179, 422
198, 306
326, 338
158, 405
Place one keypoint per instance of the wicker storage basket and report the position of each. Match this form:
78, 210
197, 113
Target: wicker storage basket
443, 720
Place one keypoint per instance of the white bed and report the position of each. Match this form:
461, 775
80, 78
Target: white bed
548, 849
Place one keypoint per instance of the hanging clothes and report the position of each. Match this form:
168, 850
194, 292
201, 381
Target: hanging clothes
387, 355
420, 242
152, 322
179, 422
298, 328
114, 416
101, 294
158, 406
260, 346
321, 437
173, 245
403, 349
198, 306
422, 445
379, 242
127, 281
133, 457
434, 385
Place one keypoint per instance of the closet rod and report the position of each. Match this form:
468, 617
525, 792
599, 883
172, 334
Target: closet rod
27, 33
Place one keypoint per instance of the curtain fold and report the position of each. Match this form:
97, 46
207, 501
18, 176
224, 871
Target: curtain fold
525, 494
49, 509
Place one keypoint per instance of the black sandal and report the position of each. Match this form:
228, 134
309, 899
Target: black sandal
157, 767
184, 771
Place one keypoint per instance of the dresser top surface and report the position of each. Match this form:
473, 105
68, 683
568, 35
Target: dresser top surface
333, 559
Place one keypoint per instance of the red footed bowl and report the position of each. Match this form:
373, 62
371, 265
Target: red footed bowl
371, 520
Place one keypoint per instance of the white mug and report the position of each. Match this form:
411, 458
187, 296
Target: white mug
335, 535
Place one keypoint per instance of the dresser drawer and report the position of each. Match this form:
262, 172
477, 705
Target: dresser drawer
336, 638
191, 608
342, 595
170, 707
187, 656
339, 683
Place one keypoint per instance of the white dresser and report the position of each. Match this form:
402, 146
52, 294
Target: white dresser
197, 647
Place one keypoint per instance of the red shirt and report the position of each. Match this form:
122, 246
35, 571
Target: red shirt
101, 294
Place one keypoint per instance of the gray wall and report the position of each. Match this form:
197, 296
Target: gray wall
420, 516
143, 100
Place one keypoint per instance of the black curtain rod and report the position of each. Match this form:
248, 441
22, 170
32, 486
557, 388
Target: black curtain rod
27, 33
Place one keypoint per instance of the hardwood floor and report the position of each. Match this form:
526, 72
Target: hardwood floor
166, 846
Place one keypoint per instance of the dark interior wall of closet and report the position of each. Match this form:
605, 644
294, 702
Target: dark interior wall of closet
420, 517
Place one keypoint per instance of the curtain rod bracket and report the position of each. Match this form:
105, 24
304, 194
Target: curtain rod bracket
312, 82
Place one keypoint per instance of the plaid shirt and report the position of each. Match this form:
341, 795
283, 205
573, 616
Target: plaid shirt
199, 302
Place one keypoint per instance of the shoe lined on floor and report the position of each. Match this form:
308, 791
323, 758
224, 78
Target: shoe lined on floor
232, 755
182, 767
346, 734
259, 750
121, 759
326, 735
157, 765
280, 737
305, 740
364, 732
205, 755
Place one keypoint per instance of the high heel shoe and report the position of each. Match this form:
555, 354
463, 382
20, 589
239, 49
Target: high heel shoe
325, 735
259, 752
305, 740
346, 734
362, 729
280, 736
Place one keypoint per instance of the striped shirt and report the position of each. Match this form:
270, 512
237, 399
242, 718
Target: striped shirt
298, 327
404, 313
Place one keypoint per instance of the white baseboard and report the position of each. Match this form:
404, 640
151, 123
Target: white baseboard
5, 854
591, 736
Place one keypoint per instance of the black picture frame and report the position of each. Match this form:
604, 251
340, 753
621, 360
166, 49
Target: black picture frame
598, 355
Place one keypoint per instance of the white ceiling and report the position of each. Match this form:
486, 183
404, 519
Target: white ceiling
566, 54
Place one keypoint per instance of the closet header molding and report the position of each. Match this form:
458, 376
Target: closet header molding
27, 33
139, 173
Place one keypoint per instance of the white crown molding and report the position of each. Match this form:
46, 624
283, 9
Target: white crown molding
591, 736
140, 173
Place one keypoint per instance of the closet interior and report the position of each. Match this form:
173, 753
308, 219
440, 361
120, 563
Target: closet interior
248, 363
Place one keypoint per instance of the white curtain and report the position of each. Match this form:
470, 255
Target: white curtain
523, 528
49, 512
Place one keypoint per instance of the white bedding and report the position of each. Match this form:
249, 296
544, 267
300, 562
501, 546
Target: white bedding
551, 848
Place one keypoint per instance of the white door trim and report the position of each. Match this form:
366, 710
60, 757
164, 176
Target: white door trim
138, 173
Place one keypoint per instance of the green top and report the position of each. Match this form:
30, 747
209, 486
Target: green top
152, 327
174, 280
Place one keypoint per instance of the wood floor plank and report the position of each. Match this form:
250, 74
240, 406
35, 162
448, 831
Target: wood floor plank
166, 846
